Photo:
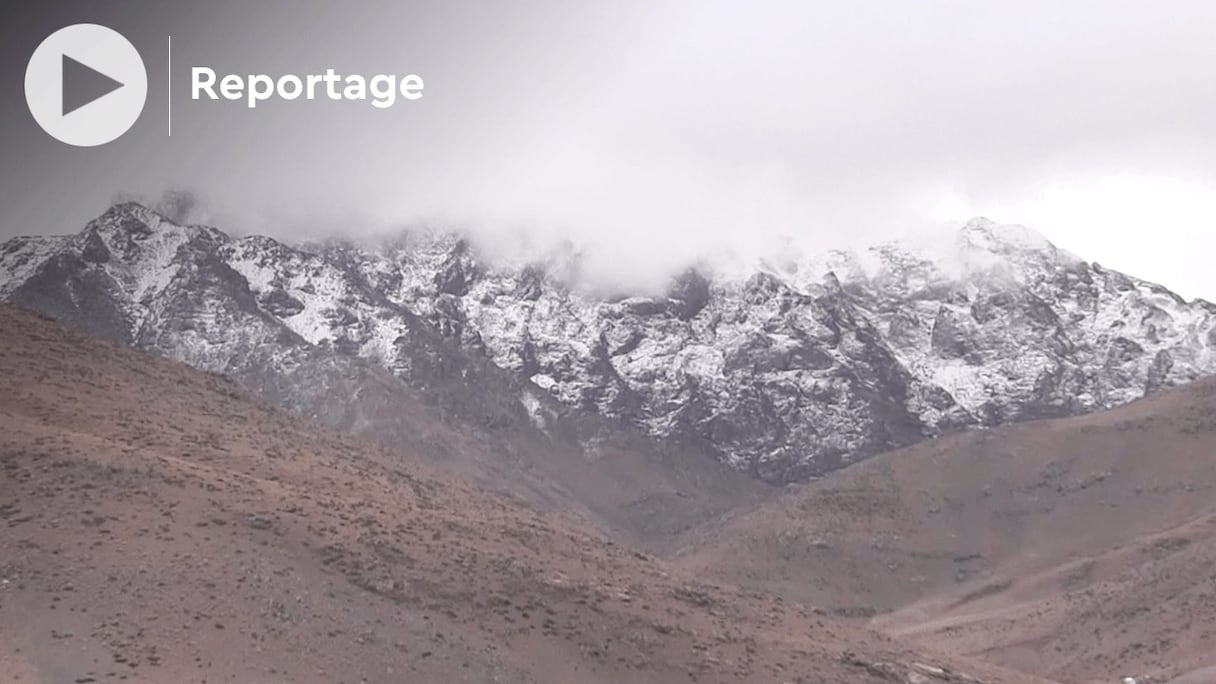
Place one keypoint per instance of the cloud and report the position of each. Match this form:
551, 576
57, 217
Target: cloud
664, 131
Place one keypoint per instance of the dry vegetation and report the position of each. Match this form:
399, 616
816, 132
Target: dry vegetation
1079, 549
158, 525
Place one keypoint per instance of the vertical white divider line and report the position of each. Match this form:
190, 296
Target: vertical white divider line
170, 86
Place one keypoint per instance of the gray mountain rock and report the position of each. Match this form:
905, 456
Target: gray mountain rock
786, 371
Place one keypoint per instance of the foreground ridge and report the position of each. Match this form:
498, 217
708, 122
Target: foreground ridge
161, 525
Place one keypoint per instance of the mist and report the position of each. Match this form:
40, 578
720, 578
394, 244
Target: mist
657, 134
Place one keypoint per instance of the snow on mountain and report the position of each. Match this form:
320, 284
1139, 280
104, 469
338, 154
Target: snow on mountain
20, 257
1013, 327
796, 367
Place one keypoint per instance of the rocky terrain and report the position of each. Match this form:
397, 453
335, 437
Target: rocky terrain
1080, 549
785, 369
561, 483
158, 524
134, 278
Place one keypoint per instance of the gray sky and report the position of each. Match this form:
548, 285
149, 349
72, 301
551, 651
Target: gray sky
663, 129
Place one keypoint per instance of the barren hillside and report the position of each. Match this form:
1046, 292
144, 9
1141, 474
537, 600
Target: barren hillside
1081, 548
156, 525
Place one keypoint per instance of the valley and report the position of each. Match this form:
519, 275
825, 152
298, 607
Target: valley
224, 458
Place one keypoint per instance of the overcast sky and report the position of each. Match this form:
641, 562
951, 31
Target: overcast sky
658, 129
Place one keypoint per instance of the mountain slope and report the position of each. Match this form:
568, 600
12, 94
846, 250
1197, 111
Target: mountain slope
1014, 328
312, 335
787, 369
157, 524
1077, 548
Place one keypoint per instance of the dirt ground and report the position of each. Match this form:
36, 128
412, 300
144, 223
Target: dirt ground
159, 525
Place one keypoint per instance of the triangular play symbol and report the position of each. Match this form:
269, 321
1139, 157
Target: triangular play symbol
83, 84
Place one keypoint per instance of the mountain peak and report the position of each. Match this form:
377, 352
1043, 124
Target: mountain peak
130, 218
987, 234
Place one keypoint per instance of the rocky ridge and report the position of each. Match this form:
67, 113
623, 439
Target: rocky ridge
800, 365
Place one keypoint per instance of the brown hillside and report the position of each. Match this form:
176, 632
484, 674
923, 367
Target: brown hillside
157, 525
1081, 549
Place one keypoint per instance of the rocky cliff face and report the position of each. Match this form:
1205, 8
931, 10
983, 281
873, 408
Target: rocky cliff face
797, 367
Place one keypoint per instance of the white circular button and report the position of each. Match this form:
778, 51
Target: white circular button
86, 85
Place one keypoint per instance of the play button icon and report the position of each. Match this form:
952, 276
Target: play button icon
86, 85
83, 84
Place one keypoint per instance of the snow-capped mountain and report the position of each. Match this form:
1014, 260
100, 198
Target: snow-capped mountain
803, 364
